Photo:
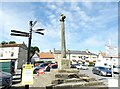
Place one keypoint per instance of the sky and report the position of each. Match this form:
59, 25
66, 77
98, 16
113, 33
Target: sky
88, 25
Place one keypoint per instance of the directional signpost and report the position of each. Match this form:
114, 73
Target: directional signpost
27, 71
19, 33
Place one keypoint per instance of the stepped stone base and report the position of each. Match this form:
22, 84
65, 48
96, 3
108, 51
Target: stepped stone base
64, 80
80, 84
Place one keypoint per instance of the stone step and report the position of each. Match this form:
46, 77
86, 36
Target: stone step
69, 75
79, 79
68, 71
78, 84
82, 79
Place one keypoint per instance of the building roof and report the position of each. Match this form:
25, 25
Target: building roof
108, 56
11, 45
75, 52
14, 45
103, 54
46, 55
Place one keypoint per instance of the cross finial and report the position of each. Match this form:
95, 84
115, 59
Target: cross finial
62, 18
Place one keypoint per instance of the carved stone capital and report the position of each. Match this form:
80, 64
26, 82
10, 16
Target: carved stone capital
62, 18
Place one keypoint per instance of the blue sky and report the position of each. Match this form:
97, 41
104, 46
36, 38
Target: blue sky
88, 25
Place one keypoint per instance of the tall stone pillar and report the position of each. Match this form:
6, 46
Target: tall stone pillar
63, 63
63, 45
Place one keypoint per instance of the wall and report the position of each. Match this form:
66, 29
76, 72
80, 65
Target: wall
22, 57
77, 57
9, 52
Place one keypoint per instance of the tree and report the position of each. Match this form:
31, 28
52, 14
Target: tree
36, 49
12, 42
33, 50
4, 42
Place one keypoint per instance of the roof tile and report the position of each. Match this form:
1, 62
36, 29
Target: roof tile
46, 55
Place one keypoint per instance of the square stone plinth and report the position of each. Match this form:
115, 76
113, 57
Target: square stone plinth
63, 63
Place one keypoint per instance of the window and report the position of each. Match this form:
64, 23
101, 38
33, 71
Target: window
79, 56
1, 54
74, 56
12, 54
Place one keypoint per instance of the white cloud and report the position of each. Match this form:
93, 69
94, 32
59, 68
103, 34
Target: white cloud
77, 23
93, 42
16, 21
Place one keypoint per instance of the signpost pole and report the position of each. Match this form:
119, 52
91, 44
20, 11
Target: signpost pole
29, 43
28, 69
29, 46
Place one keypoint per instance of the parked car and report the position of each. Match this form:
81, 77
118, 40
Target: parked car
83, 67
53, 66
5, 80
102, 71
42, 65
116, 69
74, 65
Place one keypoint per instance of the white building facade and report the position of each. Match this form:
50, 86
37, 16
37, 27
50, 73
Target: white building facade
17, 53
76, 56
109, 57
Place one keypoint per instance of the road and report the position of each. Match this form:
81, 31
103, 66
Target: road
105, 79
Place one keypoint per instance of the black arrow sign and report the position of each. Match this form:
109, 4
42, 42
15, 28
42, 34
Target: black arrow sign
19, 32
15, 34
40, 33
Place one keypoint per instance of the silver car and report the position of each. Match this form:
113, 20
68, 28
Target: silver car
102, 71
5, 80
116, 69
83, 67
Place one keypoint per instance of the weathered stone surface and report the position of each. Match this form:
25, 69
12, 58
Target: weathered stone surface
65, 64
57, 81
67, 78
63, 45
68, 71
67, 75
80, 84
88, 79
73, 80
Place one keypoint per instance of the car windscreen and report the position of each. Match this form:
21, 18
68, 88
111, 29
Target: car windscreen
103, 68
84, 65
77, 65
